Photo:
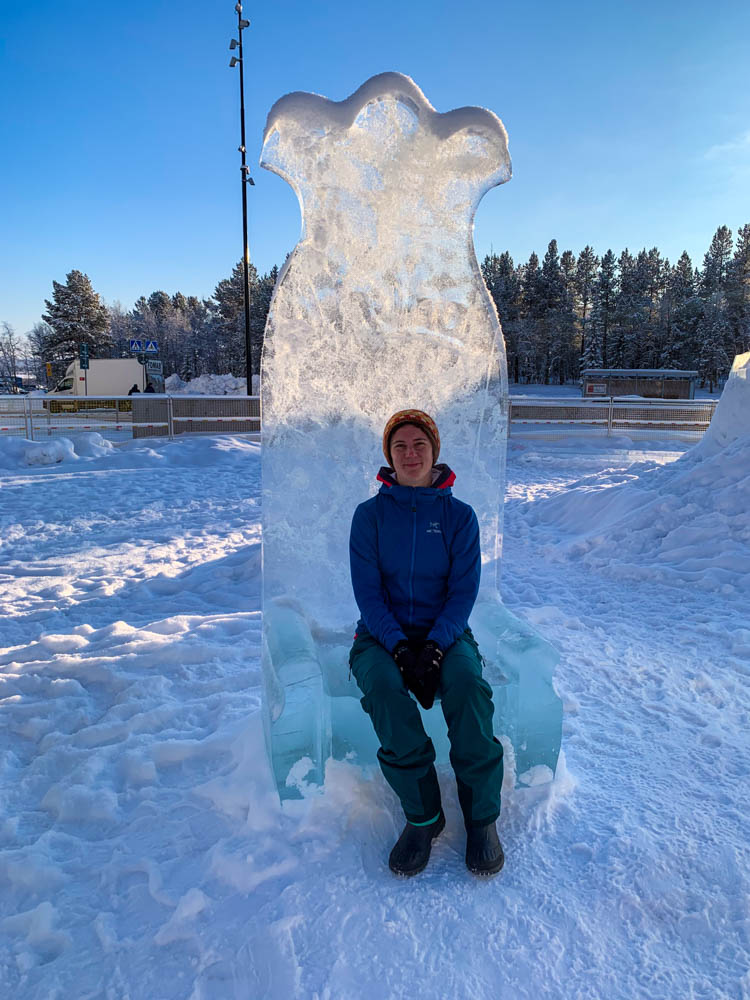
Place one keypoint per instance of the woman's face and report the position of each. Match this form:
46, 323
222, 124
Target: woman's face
411, 455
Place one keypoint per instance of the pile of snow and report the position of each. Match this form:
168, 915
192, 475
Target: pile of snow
194, 452
684, 523
731, 418
211, 385
16, 452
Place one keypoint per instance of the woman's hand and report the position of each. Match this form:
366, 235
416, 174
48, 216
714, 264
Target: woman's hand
421, 671
430, 658
405, 657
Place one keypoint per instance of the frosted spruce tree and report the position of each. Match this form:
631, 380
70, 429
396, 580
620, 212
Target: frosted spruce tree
630, 310
504, 285
716, 262
713, 328
551, 310
714, 362
738, 293
680, 311
603, 307
529, 346
569, 331
190, 335
585, 279
230, 328
654, 270
76, 315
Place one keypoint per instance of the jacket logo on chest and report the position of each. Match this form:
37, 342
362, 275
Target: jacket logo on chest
434, 528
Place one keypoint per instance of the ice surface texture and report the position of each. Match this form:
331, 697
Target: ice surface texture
381, 306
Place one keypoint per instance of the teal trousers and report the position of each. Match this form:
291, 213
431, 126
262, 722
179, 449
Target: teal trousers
406, 754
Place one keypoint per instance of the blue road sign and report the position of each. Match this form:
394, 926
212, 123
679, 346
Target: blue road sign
136, 345
151, 347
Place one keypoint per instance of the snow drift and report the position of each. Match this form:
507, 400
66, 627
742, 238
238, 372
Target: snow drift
731, 419
211, 385
681, 523
16, 452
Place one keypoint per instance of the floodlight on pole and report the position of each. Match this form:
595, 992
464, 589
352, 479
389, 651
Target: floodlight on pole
236, 43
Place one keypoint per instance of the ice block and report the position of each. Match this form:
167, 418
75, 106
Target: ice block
380, 307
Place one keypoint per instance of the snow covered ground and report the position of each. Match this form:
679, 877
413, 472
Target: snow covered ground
143, 853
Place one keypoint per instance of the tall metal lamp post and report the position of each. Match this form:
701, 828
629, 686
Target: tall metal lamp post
236, 43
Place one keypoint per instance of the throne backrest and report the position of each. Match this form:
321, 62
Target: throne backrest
381, 306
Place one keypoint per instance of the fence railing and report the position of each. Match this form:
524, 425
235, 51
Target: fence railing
125, 417
152, 415
679, 419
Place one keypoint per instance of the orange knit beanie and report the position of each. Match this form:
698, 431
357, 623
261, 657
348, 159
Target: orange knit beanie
420, 419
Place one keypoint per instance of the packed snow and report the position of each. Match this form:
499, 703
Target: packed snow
143, 850
684, 523
731, 420
211, 385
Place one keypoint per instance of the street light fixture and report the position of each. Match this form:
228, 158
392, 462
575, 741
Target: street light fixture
236, 43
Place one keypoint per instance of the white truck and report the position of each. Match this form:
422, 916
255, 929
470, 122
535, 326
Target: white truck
108, 377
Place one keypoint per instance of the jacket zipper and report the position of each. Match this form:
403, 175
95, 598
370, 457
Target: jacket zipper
413, 554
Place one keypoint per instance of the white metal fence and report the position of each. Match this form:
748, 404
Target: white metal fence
661, 419
120, 418
152, 415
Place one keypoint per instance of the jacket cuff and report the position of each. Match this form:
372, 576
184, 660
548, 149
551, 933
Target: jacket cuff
442, 637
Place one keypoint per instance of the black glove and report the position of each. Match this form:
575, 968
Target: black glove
405, 657
421, 671
427, 673
430, 657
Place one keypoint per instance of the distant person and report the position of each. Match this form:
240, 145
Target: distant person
134, 389
150, 387
415, 564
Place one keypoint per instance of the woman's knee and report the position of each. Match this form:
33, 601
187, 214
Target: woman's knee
377, 675
385, 685
461, 667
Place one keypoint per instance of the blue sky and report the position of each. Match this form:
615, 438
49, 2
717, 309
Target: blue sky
629, 125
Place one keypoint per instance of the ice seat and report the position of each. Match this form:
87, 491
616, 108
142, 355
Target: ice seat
312, 707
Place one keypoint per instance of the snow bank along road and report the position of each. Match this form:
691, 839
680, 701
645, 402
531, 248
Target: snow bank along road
143, 853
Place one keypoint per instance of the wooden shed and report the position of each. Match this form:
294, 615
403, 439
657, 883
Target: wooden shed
652, 383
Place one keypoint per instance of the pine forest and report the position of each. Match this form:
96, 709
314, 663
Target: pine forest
560, 315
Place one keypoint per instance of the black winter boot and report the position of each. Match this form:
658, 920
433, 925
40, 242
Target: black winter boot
484, 853
411, 851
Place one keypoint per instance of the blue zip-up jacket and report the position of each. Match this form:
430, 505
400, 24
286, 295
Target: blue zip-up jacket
415, 560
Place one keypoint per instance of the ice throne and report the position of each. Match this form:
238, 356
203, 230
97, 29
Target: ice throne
381, 306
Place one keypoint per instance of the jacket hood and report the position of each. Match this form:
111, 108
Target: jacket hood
442, 478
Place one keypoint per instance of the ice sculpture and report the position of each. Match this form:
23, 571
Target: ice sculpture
381, 306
